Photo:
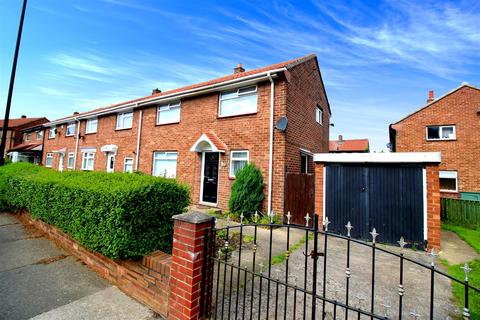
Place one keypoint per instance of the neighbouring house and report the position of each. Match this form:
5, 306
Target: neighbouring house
348, 146
448, 125
276, 117
24, 139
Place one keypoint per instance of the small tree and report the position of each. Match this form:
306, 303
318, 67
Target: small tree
247, 191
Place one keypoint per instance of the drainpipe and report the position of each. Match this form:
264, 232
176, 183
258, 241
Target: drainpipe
137, 153
270, 157
77, 136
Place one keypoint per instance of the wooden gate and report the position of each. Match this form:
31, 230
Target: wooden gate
299, 196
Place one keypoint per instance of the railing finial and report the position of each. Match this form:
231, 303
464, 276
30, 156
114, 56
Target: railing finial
307, 219
349, 228
326, 223
289, 216
433, 255
374, 235
466, 269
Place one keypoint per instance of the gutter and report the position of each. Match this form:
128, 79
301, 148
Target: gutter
270, 156
176, 95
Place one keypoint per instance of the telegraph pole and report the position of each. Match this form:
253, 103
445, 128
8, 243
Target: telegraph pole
10, 89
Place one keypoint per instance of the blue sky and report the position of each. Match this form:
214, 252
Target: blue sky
378, 58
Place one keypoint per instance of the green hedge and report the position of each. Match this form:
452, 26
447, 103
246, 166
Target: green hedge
118, 215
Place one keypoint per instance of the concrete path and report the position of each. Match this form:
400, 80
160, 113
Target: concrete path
38, 280
455, 250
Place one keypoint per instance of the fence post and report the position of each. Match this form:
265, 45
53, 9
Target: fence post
191, 232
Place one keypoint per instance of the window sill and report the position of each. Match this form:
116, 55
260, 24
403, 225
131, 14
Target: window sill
88, 133
122, 129
166, 123
237, 115
440, 140
69, 136
449, 191
231, 178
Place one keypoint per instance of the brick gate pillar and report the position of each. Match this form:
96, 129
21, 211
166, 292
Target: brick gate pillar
187, 269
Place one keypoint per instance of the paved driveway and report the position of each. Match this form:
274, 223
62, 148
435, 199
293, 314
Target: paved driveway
40, 281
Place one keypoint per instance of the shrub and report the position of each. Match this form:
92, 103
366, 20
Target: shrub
118, 215
247, 191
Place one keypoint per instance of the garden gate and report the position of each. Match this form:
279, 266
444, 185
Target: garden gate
299, 195
253, 273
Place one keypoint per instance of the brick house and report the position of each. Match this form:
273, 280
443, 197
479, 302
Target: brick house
24, 139
348, 146
448, 125
203, 133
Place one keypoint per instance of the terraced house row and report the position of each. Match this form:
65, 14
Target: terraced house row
276, 117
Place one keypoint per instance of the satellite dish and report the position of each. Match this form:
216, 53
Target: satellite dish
282, 124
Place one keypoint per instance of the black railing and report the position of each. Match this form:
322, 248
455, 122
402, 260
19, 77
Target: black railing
259, 291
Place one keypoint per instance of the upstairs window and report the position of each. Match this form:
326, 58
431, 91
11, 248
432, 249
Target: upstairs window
52, 132
448, 181
441, 133
319, 115
39, 135
91, 126
70, 129
27, 136
239, 101
165, 164
168, 113
49, 160
238, 160
125, 120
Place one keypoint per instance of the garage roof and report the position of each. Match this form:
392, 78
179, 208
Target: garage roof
394, 157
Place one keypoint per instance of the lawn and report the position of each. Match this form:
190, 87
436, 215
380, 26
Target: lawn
472, 237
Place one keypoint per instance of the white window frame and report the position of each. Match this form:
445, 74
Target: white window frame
90, 155
49, 155
87, 131
52, 132
69, 126
125, 164
319, 115
446, 174
27, 137
71, 155
238, 94
121, 116
231, 174
164, 152
39, 134
440, 128
172, 105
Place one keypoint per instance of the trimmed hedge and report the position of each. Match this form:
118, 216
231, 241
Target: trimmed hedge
118, 215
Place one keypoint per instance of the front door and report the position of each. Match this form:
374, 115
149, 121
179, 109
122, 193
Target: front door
110, 162
60, 161
210, 177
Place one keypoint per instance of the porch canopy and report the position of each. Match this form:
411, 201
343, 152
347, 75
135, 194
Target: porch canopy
208, 142
109, 148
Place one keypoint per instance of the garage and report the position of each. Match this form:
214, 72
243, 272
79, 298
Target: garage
392, 192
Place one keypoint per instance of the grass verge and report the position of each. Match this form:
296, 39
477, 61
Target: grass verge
279, 258
472, 237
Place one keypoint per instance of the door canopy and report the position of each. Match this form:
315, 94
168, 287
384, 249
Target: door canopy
208, 142
109, 148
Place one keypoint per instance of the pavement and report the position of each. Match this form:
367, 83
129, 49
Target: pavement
38, 280
455, 250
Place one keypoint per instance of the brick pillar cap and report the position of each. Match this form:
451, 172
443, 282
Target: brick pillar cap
194, 217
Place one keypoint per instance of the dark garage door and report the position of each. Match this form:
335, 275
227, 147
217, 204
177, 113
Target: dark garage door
387, 197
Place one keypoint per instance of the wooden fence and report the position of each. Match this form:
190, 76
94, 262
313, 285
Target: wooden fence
462, 212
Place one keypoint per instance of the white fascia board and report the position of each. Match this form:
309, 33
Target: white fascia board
225, 85
394, 157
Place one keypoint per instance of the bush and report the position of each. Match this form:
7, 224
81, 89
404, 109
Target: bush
118, 215
247, 191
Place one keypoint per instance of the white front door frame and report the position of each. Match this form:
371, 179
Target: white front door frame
202, 173
110, 155
61, 161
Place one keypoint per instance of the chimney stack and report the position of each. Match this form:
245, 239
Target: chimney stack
239, 68
156, 91
340, 138
24, 117
431, 96
75, 113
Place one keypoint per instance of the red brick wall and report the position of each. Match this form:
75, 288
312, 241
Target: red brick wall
461, 109
148, 280
304, 92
